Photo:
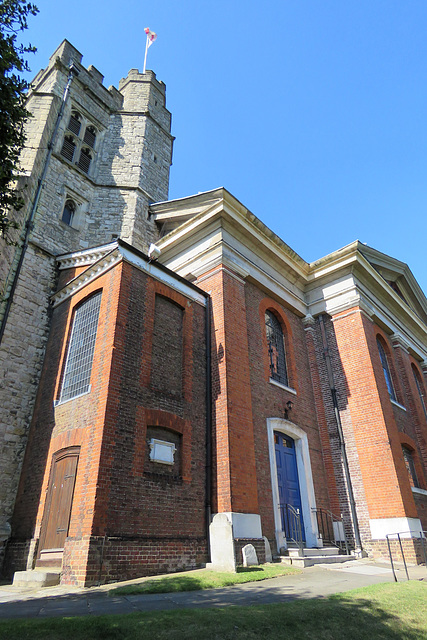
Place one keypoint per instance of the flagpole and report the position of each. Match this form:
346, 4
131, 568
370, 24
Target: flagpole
146, 50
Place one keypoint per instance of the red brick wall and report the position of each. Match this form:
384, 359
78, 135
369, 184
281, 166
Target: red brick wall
119, 492
235, 483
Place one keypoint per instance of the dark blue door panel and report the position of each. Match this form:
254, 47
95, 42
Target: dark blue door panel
287, 477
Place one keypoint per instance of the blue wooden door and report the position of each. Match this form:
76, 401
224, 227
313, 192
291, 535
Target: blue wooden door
287, 477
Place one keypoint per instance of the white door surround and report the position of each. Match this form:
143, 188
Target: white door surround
305, 480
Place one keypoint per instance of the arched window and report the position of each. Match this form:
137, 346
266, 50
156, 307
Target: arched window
75, 122
84, 160
90, 136
68, 148
420, 388
386, 370
408, 457
69, 211
78, 366
276, 348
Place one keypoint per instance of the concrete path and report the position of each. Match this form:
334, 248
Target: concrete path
313, 582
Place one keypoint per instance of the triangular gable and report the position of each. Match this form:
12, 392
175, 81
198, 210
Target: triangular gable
399, 278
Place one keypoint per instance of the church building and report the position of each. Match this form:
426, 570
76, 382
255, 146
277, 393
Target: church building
175, 381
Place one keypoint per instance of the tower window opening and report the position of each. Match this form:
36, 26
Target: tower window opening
90, 136
68, 148
74, 123
68, 212
84, 160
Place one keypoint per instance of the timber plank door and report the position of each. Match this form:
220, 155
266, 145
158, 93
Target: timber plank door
56, 518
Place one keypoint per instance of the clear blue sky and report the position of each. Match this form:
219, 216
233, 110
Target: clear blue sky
313, 113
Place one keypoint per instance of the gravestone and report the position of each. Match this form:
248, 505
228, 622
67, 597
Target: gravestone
249, 555
222, 544
268, 556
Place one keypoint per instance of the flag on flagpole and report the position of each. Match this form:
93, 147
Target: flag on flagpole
151, 37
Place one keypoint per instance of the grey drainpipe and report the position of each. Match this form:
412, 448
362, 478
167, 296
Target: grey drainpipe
208, 420
73, 71
331, 381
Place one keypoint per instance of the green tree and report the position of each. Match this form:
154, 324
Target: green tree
13, 114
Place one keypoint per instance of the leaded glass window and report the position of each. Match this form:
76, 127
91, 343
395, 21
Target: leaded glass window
80, 351
276, 348
420, 388
386, 370
410, 466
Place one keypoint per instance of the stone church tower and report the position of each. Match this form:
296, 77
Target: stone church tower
94, 161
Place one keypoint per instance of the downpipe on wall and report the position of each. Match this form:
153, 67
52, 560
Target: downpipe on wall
72, 73
333, 391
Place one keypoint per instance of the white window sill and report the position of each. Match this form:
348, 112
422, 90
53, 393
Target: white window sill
422, 492
396, 404
282, 386
58, 403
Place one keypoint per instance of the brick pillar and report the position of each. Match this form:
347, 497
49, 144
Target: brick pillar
375, 430
236, 482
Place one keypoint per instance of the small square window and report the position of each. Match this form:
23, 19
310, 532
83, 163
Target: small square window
162, 451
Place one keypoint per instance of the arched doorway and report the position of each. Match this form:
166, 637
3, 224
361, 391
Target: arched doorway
295, 434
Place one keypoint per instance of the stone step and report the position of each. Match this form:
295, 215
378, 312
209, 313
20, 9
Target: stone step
324, 551
36, 579
310, 561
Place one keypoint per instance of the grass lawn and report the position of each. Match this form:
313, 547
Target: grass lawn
389, 611
196, 580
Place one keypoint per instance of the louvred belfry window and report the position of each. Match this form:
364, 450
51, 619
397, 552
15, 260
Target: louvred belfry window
74, 123
90, 136
84, 160
78, 366
276, 348
68, 148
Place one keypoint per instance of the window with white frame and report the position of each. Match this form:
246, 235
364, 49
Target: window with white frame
78, 366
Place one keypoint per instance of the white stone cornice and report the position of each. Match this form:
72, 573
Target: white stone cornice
399, 341
86, 277
423, 365
83, 258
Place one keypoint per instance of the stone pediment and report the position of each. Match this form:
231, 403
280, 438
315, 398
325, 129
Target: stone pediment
399, 278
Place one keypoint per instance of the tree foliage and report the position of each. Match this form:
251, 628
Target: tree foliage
13, 114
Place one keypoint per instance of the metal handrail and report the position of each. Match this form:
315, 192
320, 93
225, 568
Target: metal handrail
422, 537
329, 534
291, 523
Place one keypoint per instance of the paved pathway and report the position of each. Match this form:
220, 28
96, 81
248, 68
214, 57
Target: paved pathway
313, 582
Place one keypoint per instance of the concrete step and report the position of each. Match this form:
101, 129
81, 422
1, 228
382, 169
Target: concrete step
324, 551
310, 561
36, 579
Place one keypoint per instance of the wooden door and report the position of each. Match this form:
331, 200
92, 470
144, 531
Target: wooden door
56, 519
